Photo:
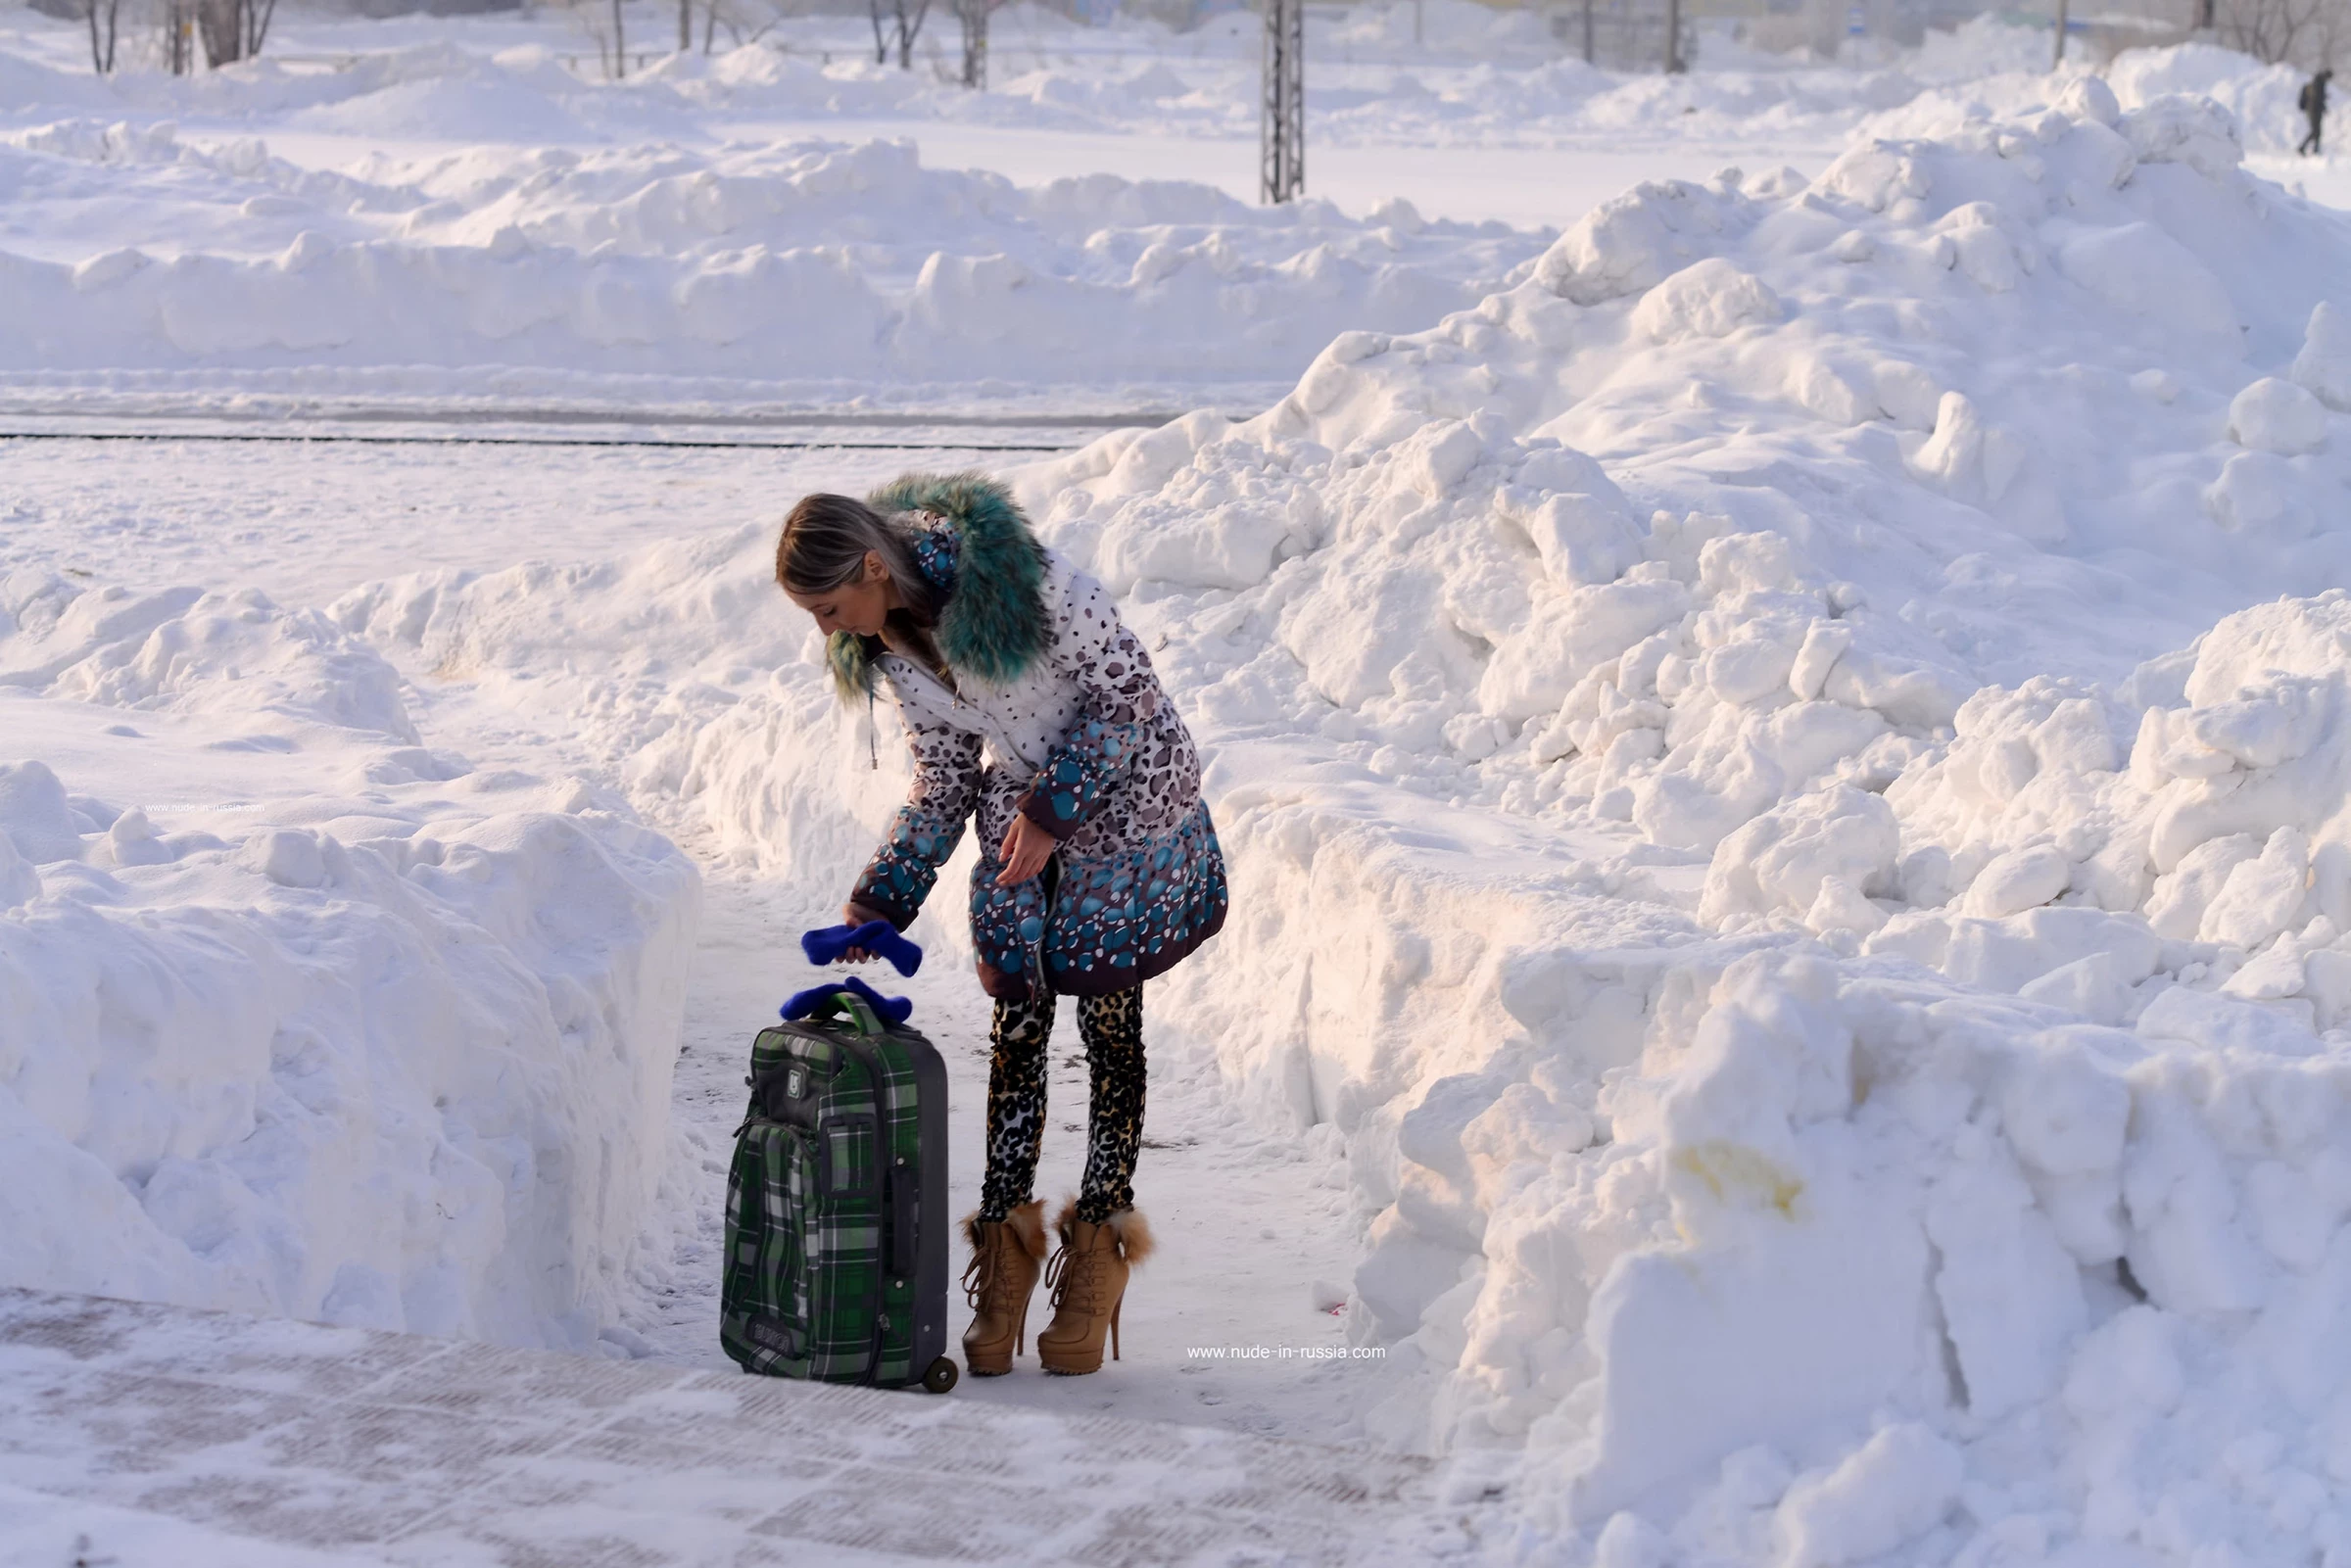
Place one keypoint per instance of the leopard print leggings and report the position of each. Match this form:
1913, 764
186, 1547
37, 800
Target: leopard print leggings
1112, 1027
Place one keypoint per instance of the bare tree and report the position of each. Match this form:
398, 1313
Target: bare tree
233, 29
974, 15
104, 18
744, 21
602, 21
895, 25
179, 36
2301, 32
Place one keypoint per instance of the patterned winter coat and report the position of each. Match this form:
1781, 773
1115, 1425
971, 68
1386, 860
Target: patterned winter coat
1053, 711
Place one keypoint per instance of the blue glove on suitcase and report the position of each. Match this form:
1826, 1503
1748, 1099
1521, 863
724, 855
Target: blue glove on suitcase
890, 1010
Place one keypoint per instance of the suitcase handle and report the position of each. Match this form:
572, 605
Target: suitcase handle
903, 1201
867, 1010
827, 943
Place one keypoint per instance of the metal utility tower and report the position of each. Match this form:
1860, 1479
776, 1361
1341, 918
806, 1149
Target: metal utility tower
1281, 136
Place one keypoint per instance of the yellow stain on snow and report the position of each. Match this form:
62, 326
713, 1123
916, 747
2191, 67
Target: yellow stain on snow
1729, 1169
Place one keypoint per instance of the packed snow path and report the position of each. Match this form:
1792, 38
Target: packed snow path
285, 1443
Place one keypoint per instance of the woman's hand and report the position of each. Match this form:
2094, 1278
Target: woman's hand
851, 915
1025, 850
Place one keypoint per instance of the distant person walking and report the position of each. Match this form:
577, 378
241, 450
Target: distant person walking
2312, 102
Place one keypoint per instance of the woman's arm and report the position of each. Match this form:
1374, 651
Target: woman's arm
928, 828
1118, 696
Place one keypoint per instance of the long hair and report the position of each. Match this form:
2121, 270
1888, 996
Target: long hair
823, 547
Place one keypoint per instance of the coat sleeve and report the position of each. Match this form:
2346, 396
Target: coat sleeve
928, 828
1119, 696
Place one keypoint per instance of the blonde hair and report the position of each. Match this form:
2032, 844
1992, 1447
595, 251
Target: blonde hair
823, 546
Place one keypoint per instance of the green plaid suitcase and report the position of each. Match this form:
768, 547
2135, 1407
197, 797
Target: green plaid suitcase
837, 1223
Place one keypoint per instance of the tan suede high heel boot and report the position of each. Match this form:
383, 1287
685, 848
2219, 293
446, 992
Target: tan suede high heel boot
998, 1282
1089, 1280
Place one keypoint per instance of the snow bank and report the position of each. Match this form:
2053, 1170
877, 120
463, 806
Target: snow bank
2005, 70
2073, 1275
818, 265
296, 1015
1836, 1030
2260, 97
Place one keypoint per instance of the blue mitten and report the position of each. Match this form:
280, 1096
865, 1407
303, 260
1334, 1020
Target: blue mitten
826, 945
890, 1010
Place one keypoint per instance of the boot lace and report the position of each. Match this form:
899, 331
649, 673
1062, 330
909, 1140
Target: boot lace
988, 1276
1077, 1273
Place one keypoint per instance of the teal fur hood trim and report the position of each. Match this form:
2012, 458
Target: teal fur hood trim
994, 625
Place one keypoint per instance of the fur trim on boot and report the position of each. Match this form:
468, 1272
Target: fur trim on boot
1028, 1223
1135, 1241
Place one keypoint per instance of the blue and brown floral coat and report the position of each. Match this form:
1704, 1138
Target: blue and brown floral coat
1051, 710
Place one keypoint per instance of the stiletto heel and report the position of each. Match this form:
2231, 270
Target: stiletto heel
1114, 1329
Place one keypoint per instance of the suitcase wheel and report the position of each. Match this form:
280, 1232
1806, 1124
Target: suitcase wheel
942, 1376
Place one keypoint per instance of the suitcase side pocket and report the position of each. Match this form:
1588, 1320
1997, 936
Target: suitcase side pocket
765, 1306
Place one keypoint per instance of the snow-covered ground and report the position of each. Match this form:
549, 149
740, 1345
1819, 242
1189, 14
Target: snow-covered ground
1788, 973
133, 1433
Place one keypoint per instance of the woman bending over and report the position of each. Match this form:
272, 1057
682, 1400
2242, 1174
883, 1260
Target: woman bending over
1031, 707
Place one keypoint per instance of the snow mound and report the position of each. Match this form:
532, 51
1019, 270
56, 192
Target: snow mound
1997, 83
173, 652
2260, 97
679, 671
303, 1018
30, 83
815, 264
1825, 956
